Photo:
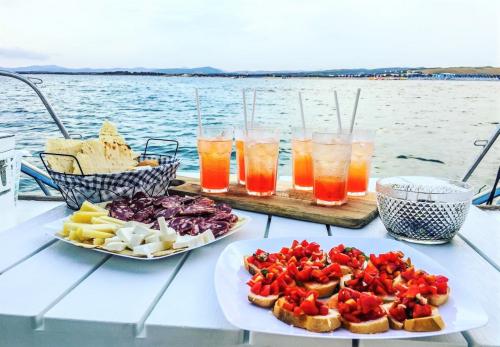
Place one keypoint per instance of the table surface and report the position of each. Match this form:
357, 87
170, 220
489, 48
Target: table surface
55, 294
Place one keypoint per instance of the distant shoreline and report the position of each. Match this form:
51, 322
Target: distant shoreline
386, 76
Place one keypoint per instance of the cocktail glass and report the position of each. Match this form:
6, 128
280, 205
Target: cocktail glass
302, 159
214, 150
240, 155
361, 157
331, 157
261, 161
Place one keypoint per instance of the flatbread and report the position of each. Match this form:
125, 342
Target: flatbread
62, 146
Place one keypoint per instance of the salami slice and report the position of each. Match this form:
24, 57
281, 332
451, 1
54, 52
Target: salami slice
221, 216
219, 228
167, 213
144, 215
197, 209
184, 226
223, 207
204, 201
143, 203
122, 213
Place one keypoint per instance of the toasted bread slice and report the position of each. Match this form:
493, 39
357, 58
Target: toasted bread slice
319, 324
369, 327
262, 301
431, 323
439, 299
251, 268
323, 289
423, 324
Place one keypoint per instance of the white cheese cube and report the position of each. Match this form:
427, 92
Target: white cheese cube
149, 248
112, 239
135, 240
153, 238
132, 224
115, 246
186, 241
124, 234
208, 236
140, 230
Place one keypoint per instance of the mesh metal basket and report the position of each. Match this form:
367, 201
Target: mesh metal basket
153, 181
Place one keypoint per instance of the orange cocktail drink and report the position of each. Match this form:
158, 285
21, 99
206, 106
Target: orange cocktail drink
361, 157
261, 161
214, 150
302, 159
240, 156
331, 157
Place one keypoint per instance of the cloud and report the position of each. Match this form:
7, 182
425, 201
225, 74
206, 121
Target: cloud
18, 53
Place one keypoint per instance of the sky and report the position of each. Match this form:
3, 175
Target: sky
236, 35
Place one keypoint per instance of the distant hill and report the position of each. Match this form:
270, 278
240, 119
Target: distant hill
207, 70
483, 70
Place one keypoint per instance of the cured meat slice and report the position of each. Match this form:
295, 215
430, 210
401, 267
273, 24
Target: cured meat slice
144, 215
219, 228
204, 201
123, 213
143, 203
184, 226
167, 213
197, 209
223, 207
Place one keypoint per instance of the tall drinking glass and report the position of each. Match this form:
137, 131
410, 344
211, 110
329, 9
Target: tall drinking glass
331, 157
302, 159
214, 150
240, 155
261, 161
361, 158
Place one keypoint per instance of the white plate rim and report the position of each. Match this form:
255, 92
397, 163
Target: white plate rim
481, 317
244, 220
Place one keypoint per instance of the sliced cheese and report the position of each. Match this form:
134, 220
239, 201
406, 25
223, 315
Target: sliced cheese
140, 230
149, 248
135, 240
115, 246
112, 239
153, 238
125, 234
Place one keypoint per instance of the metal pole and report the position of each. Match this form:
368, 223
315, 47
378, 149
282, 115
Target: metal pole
41, 96
481, 155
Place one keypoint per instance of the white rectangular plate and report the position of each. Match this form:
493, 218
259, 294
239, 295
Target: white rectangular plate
54, 227
460, 313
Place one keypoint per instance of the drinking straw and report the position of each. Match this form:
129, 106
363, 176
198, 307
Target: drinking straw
355, 109
200, 128
245, 110
253, 107
339, 121
302, 113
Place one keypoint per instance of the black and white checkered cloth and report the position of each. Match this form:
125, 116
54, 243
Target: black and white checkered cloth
153, 181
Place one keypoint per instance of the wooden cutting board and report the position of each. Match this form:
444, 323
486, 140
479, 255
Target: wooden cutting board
288, 203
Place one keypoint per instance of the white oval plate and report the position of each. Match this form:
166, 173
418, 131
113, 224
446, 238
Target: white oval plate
56, 226
459, 313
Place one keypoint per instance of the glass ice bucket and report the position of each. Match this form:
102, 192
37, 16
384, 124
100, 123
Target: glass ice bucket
420, 209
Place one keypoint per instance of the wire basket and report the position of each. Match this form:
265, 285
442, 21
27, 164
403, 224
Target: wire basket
154, 181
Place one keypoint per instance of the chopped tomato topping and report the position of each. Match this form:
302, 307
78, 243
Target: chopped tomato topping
270, 281
348, 256
391, 262
299, 301
359, 307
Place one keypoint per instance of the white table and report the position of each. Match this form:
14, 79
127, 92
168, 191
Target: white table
54, 294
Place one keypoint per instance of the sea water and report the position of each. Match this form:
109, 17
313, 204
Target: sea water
424, 127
